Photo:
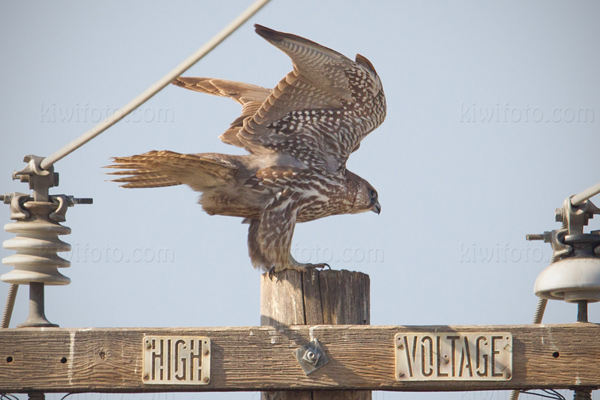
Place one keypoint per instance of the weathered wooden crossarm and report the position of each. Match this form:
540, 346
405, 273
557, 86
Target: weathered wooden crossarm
261, 358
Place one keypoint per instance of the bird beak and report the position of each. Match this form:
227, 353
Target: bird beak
376, 208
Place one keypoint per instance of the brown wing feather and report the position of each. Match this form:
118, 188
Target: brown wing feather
320, 67
321, 110
318, 113
249, 96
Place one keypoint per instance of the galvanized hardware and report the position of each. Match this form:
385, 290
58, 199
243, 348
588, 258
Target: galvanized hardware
37, 229
8, 307
574, 273
573, 218
40, 180
176, 360
16, 201
311, 356
453, 356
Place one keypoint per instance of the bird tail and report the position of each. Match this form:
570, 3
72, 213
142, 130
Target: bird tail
167, 168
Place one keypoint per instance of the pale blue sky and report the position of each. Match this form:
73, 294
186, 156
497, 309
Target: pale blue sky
493, 120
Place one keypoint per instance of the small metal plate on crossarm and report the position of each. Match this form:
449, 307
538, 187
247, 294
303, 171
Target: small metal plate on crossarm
453, 356
176, 360
311, 356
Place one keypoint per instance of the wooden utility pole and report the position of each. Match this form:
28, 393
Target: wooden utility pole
315, 298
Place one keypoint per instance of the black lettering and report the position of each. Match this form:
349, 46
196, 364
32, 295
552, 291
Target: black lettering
410, 358
157, 355
453, 339
479, 356
168, 359
466, 351
423, 353
493, 356
439, 356
196, 359
180, 360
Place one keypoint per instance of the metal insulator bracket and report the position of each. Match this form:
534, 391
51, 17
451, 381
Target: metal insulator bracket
574, 218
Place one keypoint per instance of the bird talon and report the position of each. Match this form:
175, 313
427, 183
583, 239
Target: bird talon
312, 267
271, 272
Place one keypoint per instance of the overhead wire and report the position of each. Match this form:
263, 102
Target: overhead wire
585, 195
547, 393
158, 86
129, 107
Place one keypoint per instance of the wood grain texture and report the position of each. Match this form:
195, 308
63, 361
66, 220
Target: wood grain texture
314, 298
310, 298
261, 359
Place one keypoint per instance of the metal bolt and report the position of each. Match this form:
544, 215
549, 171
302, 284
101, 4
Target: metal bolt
401, 375
534, 236
148, 345
146, 377
82, 200
206, 352
558, 215
546, 236
400, 346
206, 380
311, 357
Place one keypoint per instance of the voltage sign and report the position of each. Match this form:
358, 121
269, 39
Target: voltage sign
453, 356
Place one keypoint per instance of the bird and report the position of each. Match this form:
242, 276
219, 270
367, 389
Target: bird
298, 136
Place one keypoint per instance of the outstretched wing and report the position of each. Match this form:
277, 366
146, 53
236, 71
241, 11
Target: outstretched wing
167, 168
321, 110
318, 113
251, 97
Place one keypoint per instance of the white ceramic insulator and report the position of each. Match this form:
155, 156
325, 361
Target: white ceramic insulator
36, 245
571, 279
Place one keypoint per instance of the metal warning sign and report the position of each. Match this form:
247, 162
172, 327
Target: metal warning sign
450, 356
176, 360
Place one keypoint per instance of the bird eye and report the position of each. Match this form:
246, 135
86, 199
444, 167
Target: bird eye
372, 193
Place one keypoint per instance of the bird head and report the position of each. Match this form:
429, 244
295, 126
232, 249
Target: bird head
365, 195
